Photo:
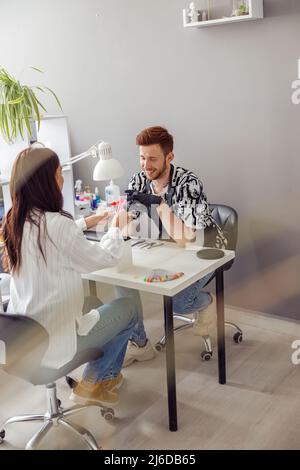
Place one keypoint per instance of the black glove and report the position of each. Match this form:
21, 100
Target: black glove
144, 198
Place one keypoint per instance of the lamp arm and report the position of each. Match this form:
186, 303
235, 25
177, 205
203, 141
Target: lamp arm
91, 152
77, 158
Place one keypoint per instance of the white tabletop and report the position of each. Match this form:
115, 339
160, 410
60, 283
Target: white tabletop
169, 257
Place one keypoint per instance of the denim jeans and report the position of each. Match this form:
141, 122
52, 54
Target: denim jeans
185, 302
111, 334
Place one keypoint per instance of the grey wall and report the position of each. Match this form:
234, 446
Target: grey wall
224, 92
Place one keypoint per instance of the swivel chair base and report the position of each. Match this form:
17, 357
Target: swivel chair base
54, 416
207, 353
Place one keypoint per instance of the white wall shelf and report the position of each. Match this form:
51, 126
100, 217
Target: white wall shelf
256, 11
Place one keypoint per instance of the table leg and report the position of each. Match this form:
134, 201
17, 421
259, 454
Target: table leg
93, 288
170, 359
221, 325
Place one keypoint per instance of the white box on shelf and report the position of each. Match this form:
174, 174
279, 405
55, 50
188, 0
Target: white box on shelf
8, 153
256, 12
54, 134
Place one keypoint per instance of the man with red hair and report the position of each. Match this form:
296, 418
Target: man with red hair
175, 198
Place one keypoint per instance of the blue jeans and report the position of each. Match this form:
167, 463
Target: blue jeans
187, 301
111, 334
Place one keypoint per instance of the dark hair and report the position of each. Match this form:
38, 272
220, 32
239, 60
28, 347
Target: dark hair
156, 135
34, 191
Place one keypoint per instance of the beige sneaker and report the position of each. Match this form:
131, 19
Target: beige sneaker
86, 393
137, 353
115, 383
206, 320
109, 384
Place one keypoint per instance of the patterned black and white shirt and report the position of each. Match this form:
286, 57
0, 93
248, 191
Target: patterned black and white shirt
185, 196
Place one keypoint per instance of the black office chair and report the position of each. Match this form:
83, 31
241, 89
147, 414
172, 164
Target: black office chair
227, 219
24, 342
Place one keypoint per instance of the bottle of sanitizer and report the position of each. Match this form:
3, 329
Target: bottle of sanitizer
98, 198
112, 193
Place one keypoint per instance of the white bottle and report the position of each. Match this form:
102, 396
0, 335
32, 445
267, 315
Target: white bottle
126, 262
193, 13
112, 193
97, 194
78, 188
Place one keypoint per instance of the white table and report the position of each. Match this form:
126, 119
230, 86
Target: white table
176, 259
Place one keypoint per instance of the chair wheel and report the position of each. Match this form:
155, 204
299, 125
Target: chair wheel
2, 435
160, 347
237, 337
108, 414
206, 355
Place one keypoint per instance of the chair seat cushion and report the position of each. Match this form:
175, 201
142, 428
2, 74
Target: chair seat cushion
45, 375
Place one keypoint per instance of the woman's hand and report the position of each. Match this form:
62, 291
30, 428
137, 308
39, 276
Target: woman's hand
93, 220
122, 220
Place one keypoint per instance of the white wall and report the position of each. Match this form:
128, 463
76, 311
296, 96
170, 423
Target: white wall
224, 92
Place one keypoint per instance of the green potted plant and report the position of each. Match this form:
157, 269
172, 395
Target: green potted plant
19, 105
243, 9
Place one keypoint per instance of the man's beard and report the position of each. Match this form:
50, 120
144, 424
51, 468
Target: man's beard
161, 172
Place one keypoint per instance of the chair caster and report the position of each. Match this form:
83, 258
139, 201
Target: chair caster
160, 347
237, 337
2, 435
108, 414
206, 355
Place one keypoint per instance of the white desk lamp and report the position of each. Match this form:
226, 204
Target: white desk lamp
108, 168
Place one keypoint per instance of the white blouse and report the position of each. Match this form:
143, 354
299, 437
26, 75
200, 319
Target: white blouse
52, 292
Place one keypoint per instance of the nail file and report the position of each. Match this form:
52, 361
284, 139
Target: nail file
154, 245
138, 243
143, 245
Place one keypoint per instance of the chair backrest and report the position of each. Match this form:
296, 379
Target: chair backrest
227, 219
25, 342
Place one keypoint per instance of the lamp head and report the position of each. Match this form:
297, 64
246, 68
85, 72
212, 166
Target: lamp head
108, 168
104, 151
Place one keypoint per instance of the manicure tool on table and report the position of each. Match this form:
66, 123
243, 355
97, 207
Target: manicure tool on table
138, 242
153, 245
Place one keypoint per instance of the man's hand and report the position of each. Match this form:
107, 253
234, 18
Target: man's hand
144, 198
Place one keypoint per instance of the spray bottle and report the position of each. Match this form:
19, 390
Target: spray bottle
78, 189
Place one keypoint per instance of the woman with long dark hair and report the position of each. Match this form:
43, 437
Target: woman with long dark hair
46, 253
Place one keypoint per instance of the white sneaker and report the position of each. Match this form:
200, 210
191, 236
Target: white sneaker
206, 320
138, 353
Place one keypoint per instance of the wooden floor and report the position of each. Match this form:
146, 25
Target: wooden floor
259, 408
